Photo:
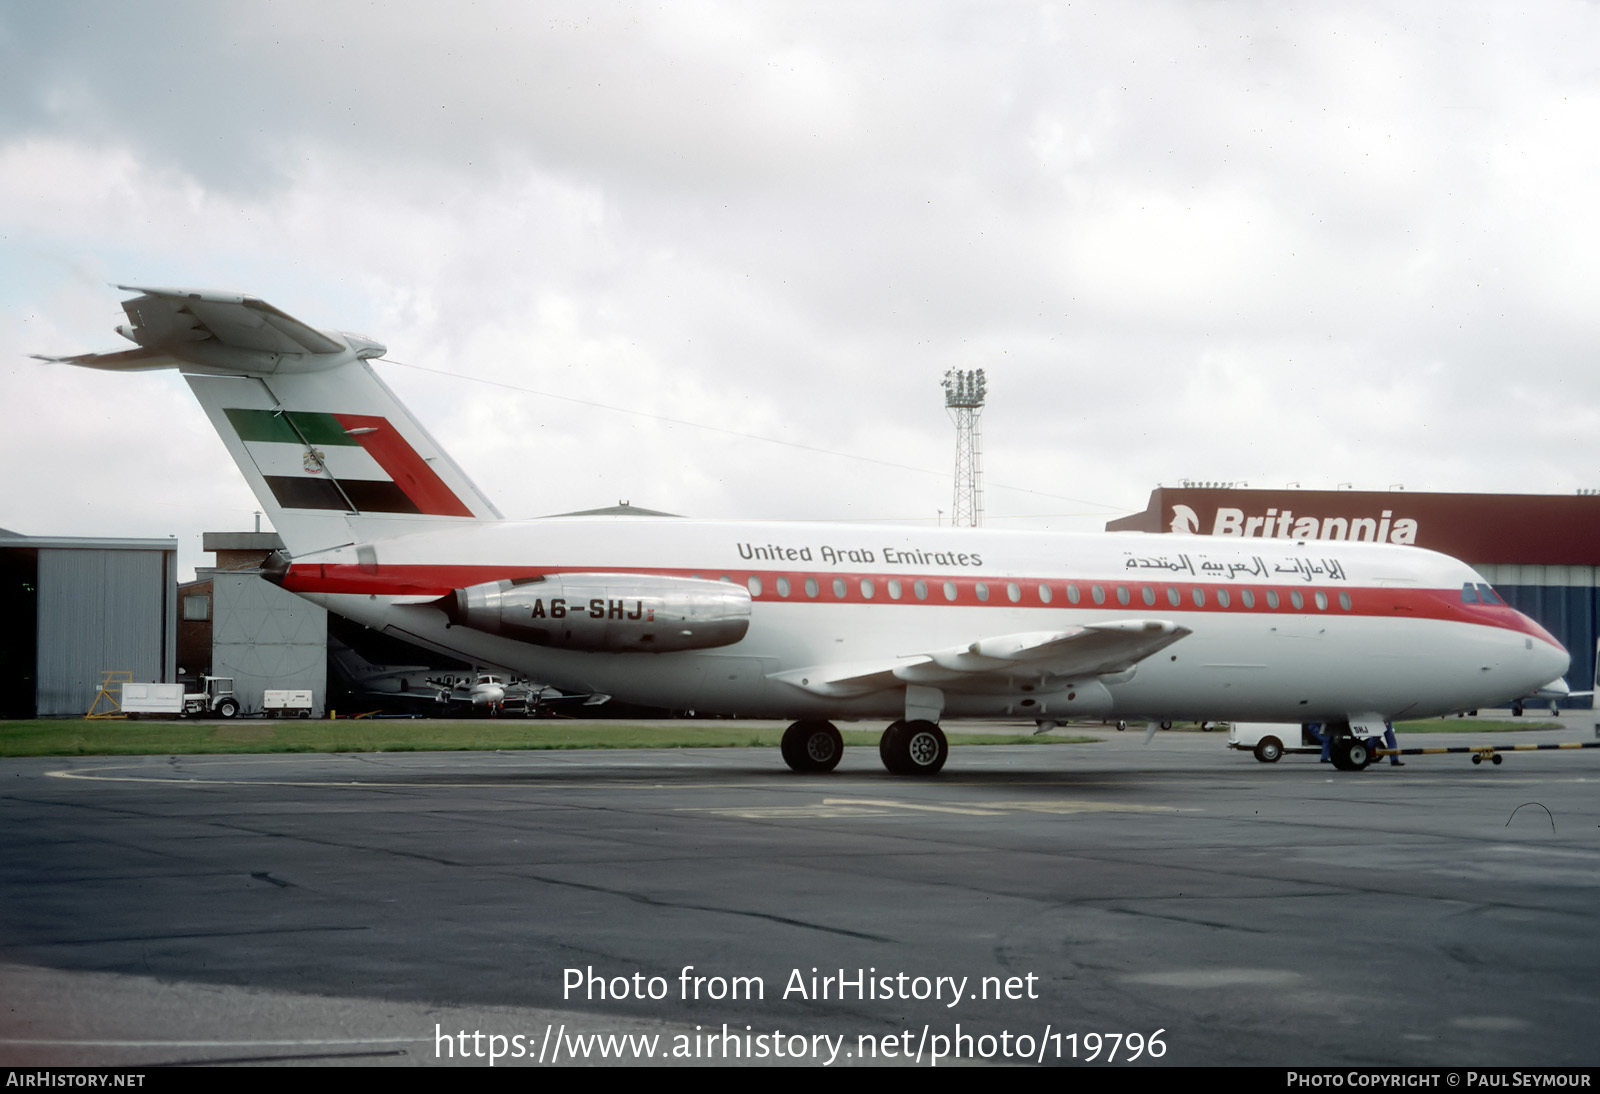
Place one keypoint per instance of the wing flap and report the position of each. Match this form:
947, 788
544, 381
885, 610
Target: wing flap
1094, 649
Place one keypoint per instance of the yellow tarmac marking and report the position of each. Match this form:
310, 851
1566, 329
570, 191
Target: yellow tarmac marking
918, 807
830, 808
820, 811
418, 784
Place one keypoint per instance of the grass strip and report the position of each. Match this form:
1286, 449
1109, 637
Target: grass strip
120, 737
117, 737
1472, 725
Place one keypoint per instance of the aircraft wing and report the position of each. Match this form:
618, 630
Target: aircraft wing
1095, 649
165, 321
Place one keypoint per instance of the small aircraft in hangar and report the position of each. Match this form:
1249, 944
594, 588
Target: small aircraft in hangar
431, 691
824, 621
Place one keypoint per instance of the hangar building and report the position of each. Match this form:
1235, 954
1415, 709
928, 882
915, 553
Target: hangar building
77, 607
1540, 551
238, 625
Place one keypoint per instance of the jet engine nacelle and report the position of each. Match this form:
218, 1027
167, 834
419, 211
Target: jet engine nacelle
606, 613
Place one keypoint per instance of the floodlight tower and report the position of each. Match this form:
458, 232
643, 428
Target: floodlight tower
963, 400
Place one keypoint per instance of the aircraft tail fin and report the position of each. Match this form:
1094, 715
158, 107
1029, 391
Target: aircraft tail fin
330, 452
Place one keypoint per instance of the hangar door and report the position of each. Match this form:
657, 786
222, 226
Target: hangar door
99, 610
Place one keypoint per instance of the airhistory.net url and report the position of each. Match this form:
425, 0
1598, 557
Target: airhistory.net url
558, 1046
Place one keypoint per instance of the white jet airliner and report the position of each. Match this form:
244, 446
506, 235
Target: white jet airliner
813, 622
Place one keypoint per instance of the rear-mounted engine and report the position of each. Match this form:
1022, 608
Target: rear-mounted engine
608, 613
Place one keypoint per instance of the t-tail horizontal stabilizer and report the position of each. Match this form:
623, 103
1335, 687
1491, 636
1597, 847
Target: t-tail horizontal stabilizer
330, 453
222, 333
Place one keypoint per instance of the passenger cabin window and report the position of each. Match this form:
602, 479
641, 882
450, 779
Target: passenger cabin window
894, 589
1222, 597
1013, 591
982, 590
1073, 595
1174, 597
1199, 597
839, 588
753, 583
1044, 594
1098, 593
1272, 598
783, 586
1148, 593
921, 589
811, 587
1297, 600
867, 588
950, 590
1123, 596
1247, 598
1344, 601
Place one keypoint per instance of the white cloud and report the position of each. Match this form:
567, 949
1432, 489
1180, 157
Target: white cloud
1341, 244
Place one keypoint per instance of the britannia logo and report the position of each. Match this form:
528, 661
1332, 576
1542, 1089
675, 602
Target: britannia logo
1273, 524
313, 461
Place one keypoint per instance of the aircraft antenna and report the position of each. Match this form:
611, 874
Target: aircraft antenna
963, 401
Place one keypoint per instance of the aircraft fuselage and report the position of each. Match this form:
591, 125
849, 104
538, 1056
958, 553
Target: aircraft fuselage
1280, 629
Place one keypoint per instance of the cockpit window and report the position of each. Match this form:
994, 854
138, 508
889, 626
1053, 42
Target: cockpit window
1469, 593
1489, 595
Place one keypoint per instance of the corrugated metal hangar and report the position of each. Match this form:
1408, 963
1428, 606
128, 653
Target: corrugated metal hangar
240, 626
77, 607
1540, 551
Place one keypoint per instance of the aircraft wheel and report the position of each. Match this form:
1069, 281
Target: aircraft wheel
812, 746
1269, 749
1121, 726
1166, 725
917, 748
1206, 727
227, 708
890, 748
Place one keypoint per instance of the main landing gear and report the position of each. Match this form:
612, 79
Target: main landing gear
906, 748
812, 746
1350, 754
913, 748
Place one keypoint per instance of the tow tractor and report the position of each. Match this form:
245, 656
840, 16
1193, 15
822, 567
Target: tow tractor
214, 697
1353, 747
1350, 752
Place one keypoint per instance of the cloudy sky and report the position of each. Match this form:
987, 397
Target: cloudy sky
714, 258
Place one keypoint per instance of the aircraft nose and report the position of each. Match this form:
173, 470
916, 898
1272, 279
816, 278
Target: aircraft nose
1549, 662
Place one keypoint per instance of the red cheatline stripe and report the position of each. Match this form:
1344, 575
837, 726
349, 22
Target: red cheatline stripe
1438, 604
409, 470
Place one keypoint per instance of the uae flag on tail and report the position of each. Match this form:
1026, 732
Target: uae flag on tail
348, 462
